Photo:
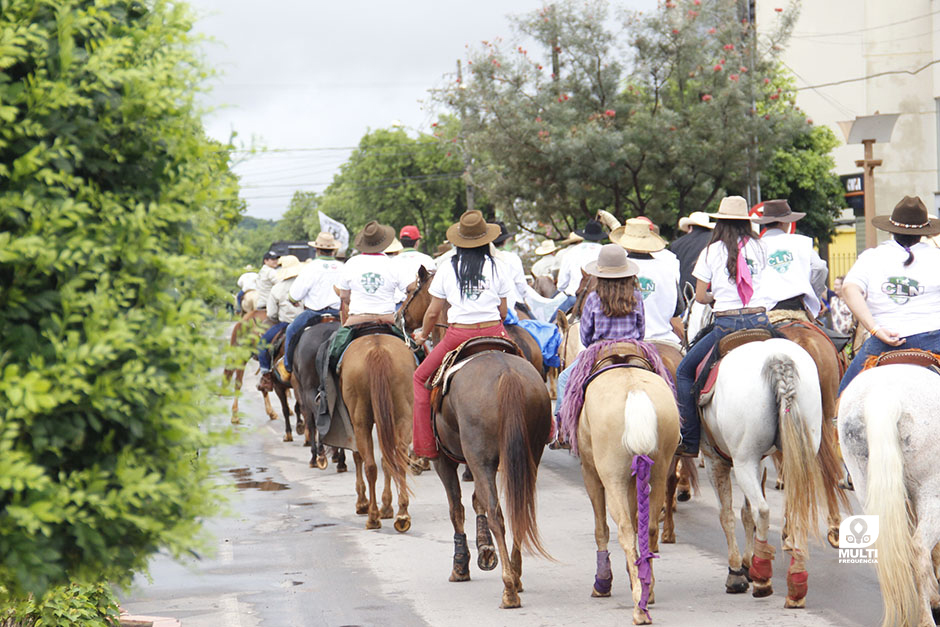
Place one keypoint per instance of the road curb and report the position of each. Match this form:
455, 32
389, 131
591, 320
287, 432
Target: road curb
148, 621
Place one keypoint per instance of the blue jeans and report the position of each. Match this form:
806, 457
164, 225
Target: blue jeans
297, 325
238, 299
561, 384
691, 426
928, 341
565, 305
264, 355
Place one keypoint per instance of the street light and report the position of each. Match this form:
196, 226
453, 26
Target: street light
866, 130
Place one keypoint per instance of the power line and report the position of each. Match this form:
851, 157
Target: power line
822, 95
870, 28
870, 76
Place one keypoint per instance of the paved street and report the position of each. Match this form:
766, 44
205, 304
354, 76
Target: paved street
293, 553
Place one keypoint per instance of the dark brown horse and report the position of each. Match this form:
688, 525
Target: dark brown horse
305, 381
491, 431
248, 330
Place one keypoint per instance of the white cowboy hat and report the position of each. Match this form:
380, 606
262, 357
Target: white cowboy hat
696, 218
732, 208
612, 263
288, 267
635, 235
547, 247
394, 247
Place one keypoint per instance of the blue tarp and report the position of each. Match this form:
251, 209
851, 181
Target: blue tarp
547, 335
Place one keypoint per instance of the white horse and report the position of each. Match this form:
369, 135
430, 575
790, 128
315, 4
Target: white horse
887, 428
696, 316
766, 396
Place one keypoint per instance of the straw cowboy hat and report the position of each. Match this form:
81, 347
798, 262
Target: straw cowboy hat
612, 263
696, 218
732, 208
394, 248
635, 236
374, 238
289, 266
908, 218
472, 231
547, 247
778, 211
573, 238
325, 241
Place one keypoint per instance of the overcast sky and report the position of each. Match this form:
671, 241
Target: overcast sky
306, 79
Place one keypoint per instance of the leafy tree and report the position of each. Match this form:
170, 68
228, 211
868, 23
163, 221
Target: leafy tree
112, 201
658, 118
399, 180
301, 212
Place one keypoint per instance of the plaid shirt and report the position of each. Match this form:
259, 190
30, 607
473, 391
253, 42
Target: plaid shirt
595, 325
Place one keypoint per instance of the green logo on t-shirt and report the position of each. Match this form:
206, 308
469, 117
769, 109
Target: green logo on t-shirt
780, 260
474, 291
371, 282
645, 285
901, 289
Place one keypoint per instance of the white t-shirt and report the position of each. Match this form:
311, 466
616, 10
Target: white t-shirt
546, 266
411, 259
482, 305
576, 257
711, 267
267, 277
247, 280
372, 280
658, 282
314, 285
903, 300
516, 274
791, 261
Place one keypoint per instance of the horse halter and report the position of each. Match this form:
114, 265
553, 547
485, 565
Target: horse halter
400, 314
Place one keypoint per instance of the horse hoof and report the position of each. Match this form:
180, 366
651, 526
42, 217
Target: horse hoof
455, 576
762, 590
683, 495
510, 601
795, 604
362, 509
288, 437
669, 538
639, 618
273, 416
487, 558
736, 583
597, 594
235, 420
778, 485
833, 537
403, 524
936, 614
519, 587
322, 463
373, 523
467, 475
299, 428
341, 468
386, 512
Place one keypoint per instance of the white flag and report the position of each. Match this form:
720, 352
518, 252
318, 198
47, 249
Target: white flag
338, 231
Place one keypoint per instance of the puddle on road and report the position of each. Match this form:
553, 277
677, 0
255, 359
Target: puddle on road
244, 480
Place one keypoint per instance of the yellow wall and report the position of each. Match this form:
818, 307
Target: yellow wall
842, 252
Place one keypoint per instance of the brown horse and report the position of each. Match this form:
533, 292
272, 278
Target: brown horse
491, 431
305, 381
249, 329
544, 286
376, 382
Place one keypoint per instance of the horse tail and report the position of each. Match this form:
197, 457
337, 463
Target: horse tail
640, 424
830, 465
383, 412
886, 496
519, 467
802, 484
689, 467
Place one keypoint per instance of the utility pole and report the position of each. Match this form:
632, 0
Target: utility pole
869, 163
467, 160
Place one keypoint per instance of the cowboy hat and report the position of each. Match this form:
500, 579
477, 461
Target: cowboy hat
288, 267
778, 211
612, 263
696, 218
249, 268
636, 236
374, 237
573, 238
325, 241
472, 231
394, 248
908, 218
504, 233
593, 231
731, 208
442, 248
547, 247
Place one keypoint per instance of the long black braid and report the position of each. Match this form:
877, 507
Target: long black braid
468, 266
907, 240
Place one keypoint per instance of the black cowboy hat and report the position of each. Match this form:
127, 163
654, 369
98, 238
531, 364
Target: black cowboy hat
504, 233
909, 218
778, 211
592, 231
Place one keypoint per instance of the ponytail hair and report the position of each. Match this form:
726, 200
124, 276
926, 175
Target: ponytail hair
729, 233
906, 240
468, 266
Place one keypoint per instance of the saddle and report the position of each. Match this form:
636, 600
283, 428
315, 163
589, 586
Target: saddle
909, 356
344, 336
621, 355
707, 372
311, 322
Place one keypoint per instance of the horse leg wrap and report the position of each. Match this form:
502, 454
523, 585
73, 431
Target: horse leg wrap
797, 577
604, 576
762, 564
483, 532
461, 554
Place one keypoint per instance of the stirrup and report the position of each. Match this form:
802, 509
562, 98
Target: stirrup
282, 372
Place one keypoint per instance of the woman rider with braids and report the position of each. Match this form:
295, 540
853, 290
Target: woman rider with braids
894, 289
732, 262
475, 286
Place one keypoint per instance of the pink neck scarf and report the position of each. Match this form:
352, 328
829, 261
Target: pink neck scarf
744, 282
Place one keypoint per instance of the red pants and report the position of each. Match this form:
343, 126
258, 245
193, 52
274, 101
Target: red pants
424, 443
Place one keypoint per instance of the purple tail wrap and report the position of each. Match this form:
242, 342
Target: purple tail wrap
641, 468
604, 576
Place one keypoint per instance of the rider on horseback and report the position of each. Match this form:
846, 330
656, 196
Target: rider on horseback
314, 289
569, 274
476, 288
894, 288
267, 277
281, 312
733, 263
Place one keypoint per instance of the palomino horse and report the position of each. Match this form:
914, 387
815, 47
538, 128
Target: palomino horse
376, 382
305, 381
250, 326
491, 431
629, 418
826, 358
890, 446
766, 395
